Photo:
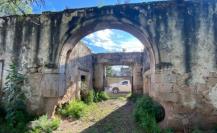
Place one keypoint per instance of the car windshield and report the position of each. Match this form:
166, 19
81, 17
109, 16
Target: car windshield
124, 82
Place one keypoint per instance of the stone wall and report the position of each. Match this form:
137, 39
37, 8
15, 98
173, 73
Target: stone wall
179, 64
50, 88
79, 63
186, 105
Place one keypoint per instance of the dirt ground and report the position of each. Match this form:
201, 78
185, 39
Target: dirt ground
111, 116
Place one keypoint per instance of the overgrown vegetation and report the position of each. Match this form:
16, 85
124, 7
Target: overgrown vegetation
44, 125
14, 117
135, 97
197, 131
100, 96
87, 95
74, 109
147, 113
14, 113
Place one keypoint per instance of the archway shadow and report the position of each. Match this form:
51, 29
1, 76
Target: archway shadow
119, 121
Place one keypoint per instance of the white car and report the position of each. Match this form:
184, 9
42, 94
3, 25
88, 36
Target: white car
123, 86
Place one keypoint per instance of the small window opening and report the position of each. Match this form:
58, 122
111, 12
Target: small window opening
83, 78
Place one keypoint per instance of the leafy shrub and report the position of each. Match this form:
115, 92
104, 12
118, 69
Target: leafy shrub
2, 113
100, 96
135, 97
197, 131
146, 114
87, 96
74, 109
13, 87
44, 125
167, 130
16, 116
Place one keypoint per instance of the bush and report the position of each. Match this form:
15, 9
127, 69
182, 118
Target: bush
197, 131
100, 96
167, 130
44, 125
15, 114
87, 96
74, 109
135, 97
147, 113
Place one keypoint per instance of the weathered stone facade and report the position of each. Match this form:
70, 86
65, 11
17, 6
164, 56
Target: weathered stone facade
179, 63
50, 88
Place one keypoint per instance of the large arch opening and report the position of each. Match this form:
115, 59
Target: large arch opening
109, 22
149, 56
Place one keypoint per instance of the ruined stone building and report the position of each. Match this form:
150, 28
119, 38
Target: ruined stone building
178, 67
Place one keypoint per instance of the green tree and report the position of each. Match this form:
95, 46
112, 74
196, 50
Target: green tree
17, 7
14, 100
13, 85
108, 71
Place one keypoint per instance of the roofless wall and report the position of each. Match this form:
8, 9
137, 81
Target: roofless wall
180, 41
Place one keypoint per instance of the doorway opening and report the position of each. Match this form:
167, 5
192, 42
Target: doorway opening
118, 81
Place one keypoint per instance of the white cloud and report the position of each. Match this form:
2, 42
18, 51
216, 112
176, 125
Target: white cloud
132, 45
108, 40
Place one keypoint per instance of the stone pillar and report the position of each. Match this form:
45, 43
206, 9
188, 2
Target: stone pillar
137, 78
146, 84
98, 77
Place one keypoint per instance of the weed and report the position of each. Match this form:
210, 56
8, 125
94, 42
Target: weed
167, 130
197, 131
146, 114
87, 96
44, 125
134, 97
74, 109
100, 96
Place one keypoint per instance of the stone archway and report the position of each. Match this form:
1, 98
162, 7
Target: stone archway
72, 37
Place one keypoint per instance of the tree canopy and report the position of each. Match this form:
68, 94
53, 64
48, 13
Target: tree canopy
12, 7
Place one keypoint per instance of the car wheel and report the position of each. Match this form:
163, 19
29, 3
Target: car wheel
115, 90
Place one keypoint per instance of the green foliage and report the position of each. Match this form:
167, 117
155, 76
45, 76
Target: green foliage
44, 125
87, 95
167, 130
197, 131
108, 71
135, 97
100, 96
16, 116
146, 114
77, 109
8, 7
74, 109
13, 87
12, 7
90, 97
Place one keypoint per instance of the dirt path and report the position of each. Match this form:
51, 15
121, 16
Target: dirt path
112, 116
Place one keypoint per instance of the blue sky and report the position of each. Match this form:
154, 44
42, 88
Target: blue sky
111, 40
104, 41
58, 5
